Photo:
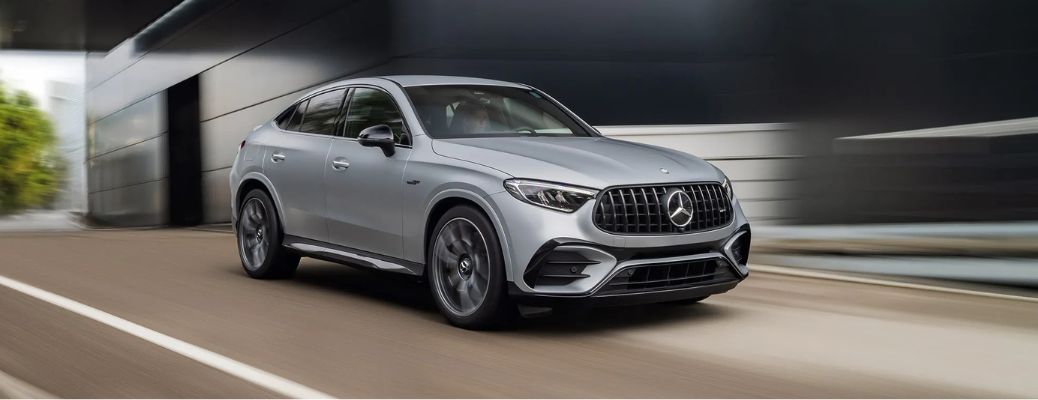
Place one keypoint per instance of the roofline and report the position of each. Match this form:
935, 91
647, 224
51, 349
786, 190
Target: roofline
474, 81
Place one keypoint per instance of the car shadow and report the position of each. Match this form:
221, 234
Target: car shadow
409, 292
570, 322
387, 287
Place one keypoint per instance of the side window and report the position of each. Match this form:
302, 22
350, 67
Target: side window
370, 107
322, 113
282, 119
295, 117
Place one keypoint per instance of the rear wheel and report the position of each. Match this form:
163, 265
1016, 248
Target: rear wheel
259, 239
466, 270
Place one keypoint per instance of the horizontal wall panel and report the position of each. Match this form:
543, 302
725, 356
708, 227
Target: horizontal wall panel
216, 187
771, 209
103, 66
221, 136
348, 40
631, 92
137, 205
150, 75
654, 30
124, 75
742, 170
765, 190
134, 124
142, 162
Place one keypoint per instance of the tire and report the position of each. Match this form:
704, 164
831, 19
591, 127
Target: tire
260, 236
466, 271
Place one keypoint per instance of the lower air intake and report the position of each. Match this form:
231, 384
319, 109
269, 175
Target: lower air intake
674, 275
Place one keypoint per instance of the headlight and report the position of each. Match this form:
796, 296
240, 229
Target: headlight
550, 195
727, 185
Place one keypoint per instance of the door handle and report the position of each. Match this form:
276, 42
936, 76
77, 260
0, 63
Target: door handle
277, 156
340, 164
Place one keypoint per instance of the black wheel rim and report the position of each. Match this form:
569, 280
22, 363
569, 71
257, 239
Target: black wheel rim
253, 234
460, 266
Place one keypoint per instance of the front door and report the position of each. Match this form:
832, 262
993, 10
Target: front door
362, 185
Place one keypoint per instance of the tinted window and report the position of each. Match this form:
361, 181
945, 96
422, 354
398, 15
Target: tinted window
455, 111
282, 119
370, 107
296, 117
322, 113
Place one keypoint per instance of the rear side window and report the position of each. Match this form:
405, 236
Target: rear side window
282, 119
322, 113
290, 119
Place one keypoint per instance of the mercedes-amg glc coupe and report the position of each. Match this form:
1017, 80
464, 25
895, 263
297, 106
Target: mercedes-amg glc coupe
492, 192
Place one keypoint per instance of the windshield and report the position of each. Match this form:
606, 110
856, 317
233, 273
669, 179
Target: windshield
460, 111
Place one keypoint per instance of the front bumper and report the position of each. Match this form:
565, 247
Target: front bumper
568, 272
556, 257
623, 299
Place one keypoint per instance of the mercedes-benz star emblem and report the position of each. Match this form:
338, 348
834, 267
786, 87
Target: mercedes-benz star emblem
679, 208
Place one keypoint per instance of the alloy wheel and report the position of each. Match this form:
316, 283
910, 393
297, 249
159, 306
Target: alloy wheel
253, 233
461, 266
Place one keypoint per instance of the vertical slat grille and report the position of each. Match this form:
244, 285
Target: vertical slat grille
644, 209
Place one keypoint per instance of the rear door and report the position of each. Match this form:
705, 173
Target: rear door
362, 185
295, 163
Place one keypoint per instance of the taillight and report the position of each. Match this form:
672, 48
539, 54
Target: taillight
242, 145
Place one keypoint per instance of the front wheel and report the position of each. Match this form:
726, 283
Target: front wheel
259, 239
466, 270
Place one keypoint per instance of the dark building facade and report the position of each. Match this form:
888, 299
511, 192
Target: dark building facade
168, 107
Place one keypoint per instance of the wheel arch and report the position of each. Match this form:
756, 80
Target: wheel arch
458, 197
256, 181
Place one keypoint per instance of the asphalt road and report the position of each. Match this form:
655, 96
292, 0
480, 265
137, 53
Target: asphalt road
353, 333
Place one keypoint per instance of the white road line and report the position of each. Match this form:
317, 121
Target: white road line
248, 373
771, 269
14, 388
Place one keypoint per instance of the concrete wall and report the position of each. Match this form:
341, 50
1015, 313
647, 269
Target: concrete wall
253, 60
973, 172
835, 68
126, 164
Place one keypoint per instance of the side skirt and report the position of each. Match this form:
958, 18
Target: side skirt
351, 256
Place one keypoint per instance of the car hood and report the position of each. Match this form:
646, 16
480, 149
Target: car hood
595, 162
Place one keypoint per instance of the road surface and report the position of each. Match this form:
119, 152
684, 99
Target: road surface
353, 333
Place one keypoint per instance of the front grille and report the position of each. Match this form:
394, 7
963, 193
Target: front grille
674, 275
643, 209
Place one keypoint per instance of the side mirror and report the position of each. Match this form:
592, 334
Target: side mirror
380, 136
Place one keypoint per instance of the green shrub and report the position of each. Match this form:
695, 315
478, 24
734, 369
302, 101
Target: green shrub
30, 167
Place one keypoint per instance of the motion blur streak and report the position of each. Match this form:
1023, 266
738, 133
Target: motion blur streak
254, 375
352, 333
14, 388
883, 282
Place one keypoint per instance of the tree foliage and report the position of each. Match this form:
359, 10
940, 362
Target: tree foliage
30, 167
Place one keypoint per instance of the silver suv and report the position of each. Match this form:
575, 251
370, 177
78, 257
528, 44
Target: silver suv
493, 192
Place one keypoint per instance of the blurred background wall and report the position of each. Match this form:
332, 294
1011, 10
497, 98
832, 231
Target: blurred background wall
762, 88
